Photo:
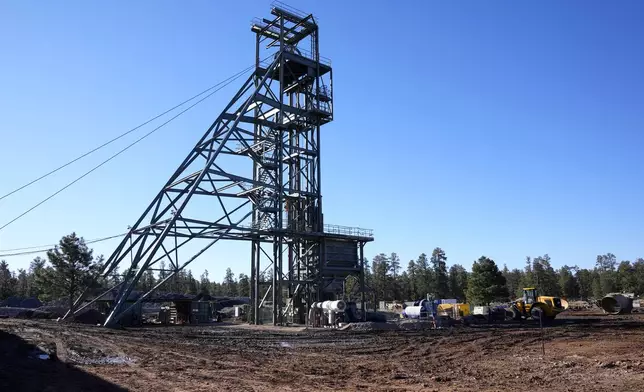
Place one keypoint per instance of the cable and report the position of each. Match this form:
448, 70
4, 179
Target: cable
122, 150
49, 246
45, 248
122, 135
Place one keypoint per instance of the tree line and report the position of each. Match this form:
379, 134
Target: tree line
485, 282
71, 266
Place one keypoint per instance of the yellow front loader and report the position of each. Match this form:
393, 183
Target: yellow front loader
538, 307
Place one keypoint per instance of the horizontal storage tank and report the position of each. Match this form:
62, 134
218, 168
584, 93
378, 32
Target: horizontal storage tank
414, 311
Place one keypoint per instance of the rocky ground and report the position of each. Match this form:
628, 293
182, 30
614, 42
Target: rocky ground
583, 352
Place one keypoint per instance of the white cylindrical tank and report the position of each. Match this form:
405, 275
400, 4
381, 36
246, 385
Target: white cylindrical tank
413, 311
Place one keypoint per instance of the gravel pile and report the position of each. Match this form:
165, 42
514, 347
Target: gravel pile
53, 311
23, 313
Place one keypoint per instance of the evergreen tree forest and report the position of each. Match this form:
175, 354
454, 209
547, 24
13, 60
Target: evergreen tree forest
71, 265
486, 281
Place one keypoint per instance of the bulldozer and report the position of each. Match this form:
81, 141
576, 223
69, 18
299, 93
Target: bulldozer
538, 307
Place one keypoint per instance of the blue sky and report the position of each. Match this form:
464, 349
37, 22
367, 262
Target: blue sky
499, 128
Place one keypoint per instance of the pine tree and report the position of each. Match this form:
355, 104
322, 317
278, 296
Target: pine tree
7, 283
638, 271
412, 281
458, 281
546, 279
394, 262
406, 286
394, 280
486, 283
73, 267
598, 293
36, 268
22, 283
381, 267
606, 262
607, 282
424, 278
568, 282
527, 278
229, 283
513, 280
243, 285
204, 283
191, 285
584, 279
163, 273
114, 278
368, 275
439, 269
627, 278
147, 281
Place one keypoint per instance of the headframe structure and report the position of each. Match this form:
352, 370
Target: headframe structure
255, 176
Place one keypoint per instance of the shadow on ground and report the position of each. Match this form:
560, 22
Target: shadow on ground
22, 370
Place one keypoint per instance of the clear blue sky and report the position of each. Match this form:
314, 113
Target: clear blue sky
498, 128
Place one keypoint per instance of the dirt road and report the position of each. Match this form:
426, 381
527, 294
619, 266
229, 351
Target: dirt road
607, 355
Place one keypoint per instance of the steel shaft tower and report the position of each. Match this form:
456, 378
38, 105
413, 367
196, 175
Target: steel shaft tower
255, 176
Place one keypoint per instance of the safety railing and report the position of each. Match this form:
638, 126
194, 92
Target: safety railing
347, 230
324, 91
309, 55
319, 105
291, 10
328, 229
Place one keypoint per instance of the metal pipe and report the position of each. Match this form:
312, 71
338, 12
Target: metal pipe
615, 303
331, 306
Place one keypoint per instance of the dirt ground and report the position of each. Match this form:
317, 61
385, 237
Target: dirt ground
583, 352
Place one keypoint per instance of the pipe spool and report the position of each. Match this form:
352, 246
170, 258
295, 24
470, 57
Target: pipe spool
617, 304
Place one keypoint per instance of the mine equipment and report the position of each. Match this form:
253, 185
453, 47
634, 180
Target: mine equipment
255, 176
454, 310
421, 309
327, 313
538, 307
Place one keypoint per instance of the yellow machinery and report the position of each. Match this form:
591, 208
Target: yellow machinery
538, 307
455, 311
